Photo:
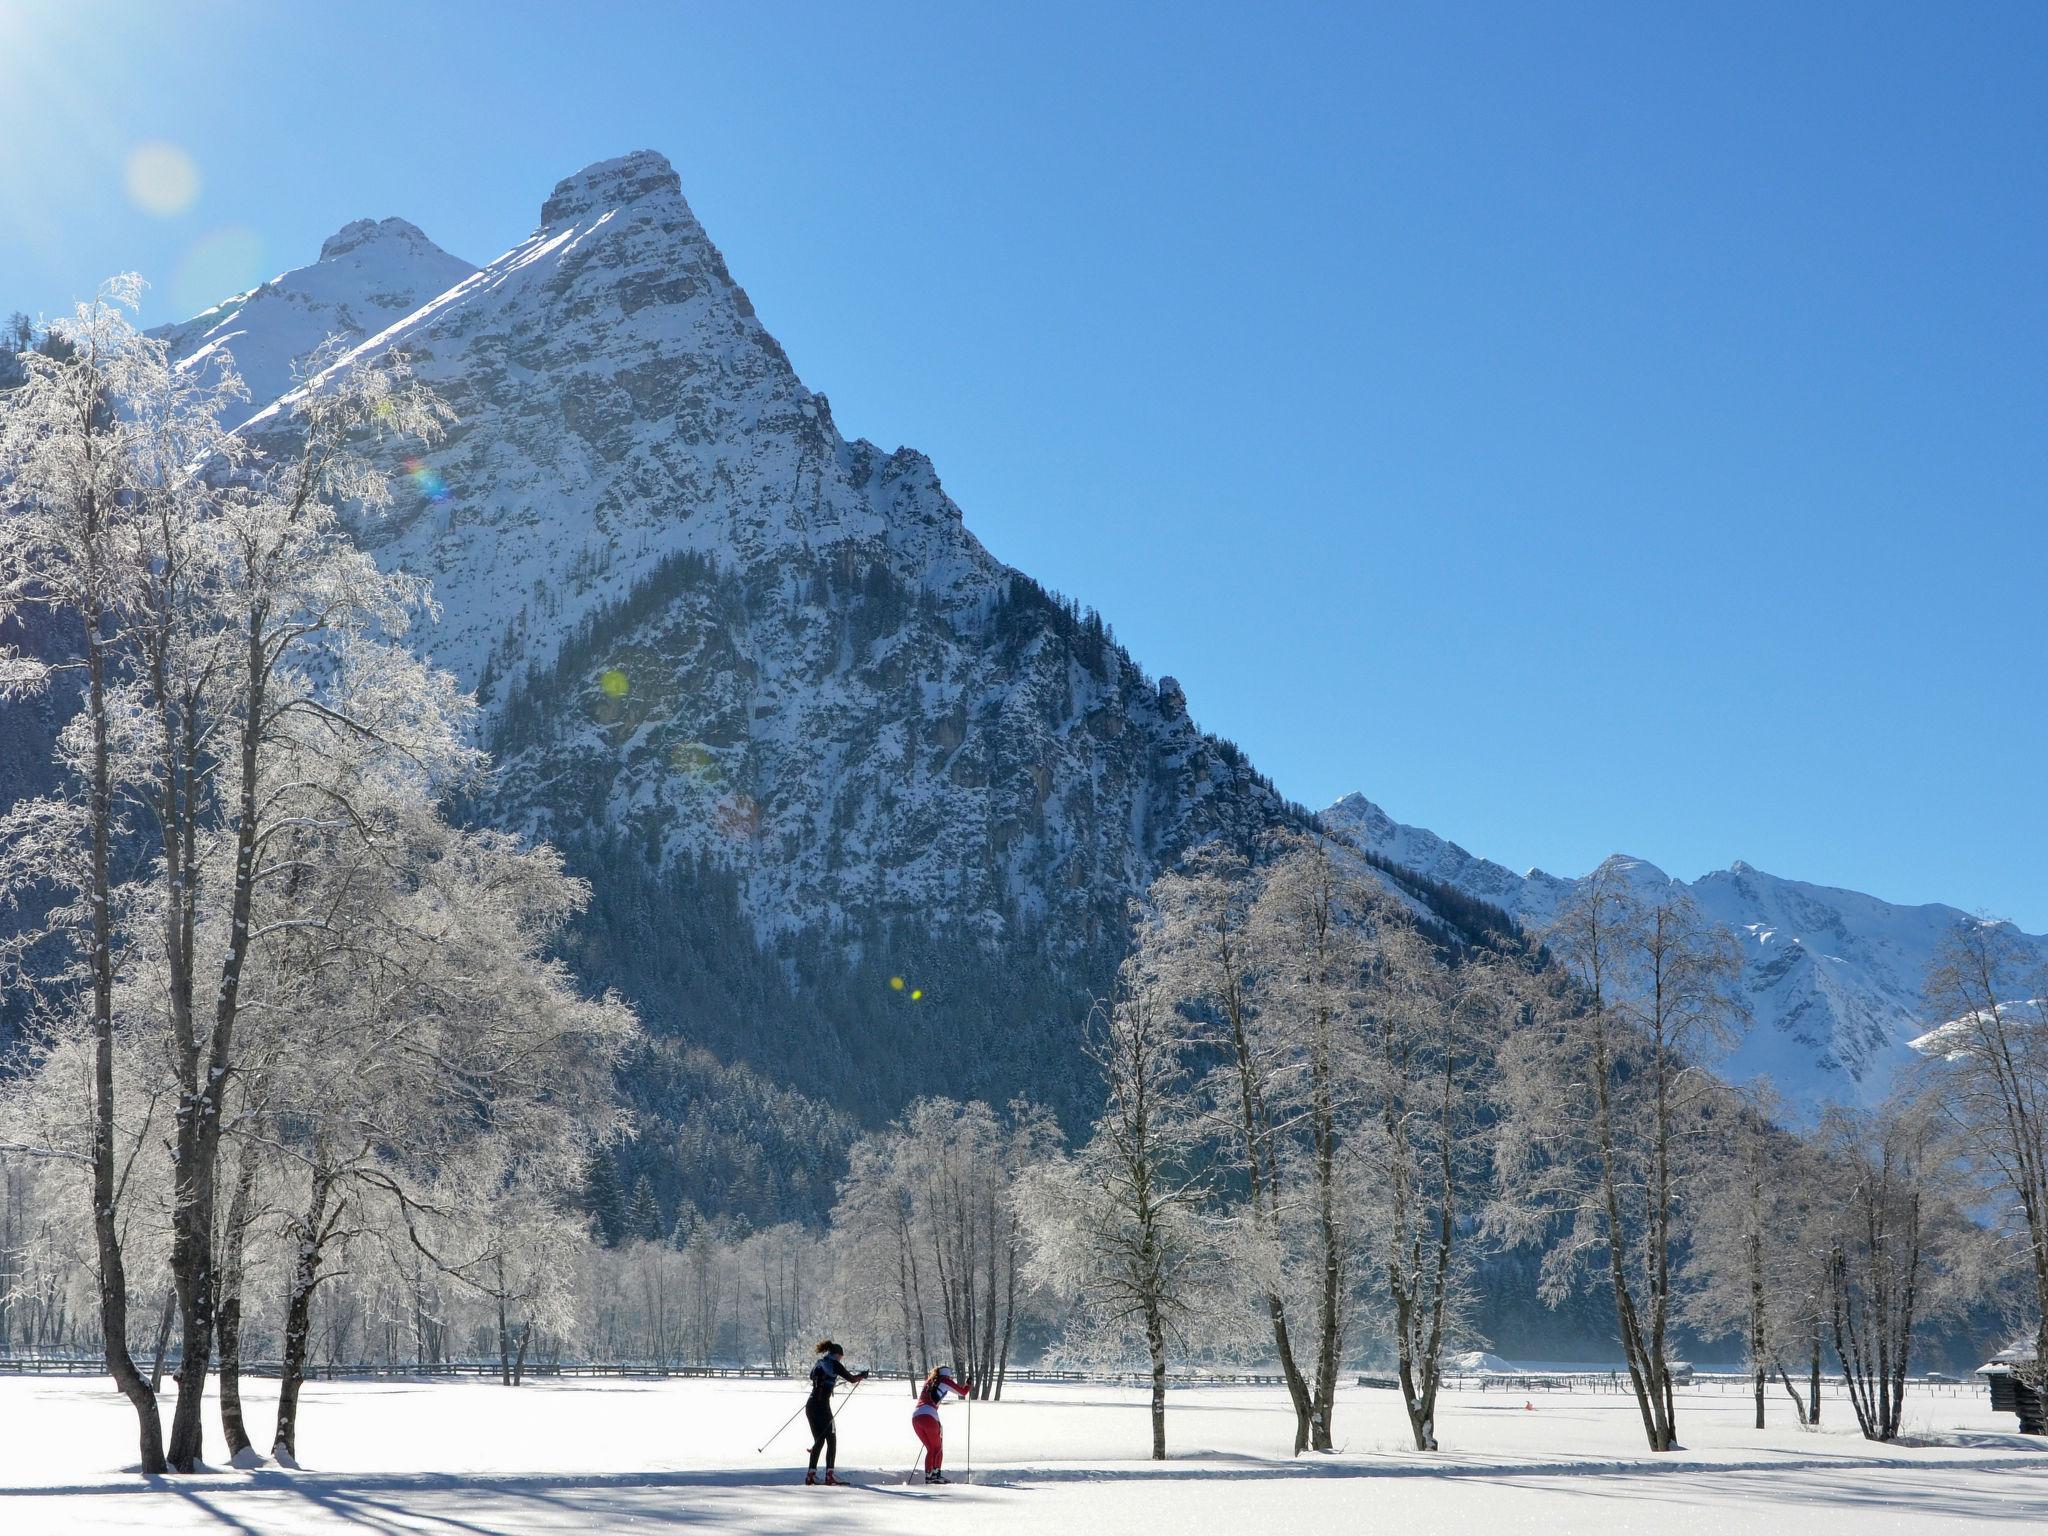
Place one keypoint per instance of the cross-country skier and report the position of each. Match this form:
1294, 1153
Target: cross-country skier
924, 1418
825, 1378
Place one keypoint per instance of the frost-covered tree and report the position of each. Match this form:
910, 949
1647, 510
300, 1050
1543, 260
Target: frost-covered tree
74, 453
1314, 924
1756, 1256
1119, 1227
928, 1207
1986, 1069
1436, 1024
1272, 962
1210, 962
1602, 1100
447, 1080
277, 676
1899, 1249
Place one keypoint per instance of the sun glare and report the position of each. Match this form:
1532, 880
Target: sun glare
162, 179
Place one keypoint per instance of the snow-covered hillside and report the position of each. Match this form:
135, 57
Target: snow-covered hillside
369, 274
713, 634
709, 629
1832, 978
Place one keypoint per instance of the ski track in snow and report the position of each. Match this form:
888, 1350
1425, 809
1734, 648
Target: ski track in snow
403, 1457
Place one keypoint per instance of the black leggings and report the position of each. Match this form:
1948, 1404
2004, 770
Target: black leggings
818, 1413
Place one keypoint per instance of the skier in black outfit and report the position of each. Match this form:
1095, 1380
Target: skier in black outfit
825, 1378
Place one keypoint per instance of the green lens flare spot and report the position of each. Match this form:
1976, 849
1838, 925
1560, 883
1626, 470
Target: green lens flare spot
614, 683
896, 983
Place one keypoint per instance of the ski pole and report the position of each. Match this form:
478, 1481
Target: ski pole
845, 1400
778, 1433
969, 1457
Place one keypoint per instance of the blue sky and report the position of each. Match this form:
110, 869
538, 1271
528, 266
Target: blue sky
1579, 426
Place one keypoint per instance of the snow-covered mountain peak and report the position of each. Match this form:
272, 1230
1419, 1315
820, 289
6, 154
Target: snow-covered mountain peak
354, 236
609, 184
1639, 873
1832, 979
370, 273
708, 628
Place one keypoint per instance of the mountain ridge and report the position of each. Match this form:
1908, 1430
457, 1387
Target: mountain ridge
1831, 976
767, 678
712, 633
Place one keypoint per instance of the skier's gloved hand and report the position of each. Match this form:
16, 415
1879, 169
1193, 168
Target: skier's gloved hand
860, 1375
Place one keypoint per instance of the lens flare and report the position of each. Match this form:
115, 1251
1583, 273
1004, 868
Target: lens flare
917, 994
427, 480
896, 983
161, 179
614, 683
693, 760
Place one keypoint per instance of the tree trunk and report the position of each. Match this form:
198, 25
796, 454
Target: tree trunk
1758, 1315
1330, 1303
199, 1110
233, 1428
164, 1315
1813, 1378
1155, 1344
305, 1275
504, 1332
113, 1274
1798, 1404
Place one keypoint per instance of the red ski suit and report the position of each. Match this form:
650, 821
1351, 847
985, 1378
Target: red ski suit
924, 1418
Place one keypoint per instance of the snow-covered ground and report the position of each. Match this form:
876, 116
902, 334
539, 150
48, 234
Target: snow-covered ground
473, 1459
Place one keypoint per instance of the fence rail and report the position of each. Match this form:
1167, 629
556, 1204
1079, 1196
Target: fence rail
92, 1365
1533, 1381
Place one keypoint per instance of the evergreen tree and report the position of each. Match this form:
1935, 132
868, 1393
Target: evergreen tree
643, 1213
604, 1199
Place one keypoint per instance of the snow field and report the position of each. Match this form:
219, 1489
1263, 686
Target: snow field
607, 1455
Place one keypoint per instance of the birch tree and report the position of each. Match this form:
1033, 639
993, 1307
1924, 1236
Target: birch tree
1118, 1228
1893, 1239
1315, 925
1986, 1069
69, 456
1210, 963
1436, 1024
1757, 1250
1602, 1100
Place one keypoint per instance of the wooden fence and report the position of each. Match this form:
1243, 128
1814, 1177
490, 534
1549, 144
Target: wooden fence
1535, 1381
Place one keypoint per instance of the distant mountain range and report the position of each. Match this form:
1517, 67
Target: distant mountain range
1832, 979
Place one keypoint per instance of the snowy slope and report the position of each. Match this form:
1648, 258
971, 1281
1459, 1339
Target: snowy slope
1832, 978
710, 629
369, 274
560, 1456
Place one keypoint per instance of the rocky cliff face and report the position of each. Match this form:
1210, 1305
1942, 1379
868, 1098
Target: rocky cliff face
713, 634
1832, 978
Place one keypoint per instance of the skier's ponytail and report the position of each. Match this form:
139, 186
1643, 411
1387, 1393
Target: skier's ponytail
827, 1347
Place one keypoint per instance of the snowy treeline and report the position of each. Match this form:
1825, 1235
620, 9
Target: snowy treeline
281, 1008
303, 1081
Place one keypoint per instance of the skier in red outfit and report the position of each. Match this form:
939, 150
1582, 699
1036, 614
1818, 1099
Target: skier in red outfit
924, 1418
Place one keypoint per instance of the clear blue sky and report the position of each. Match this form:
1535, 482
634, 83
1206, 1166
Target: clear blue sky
1579, 426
